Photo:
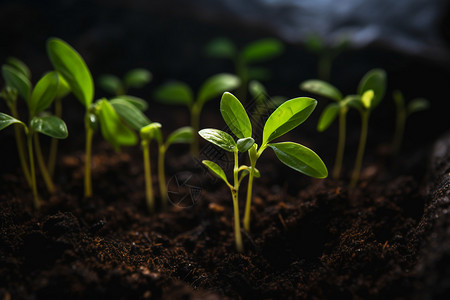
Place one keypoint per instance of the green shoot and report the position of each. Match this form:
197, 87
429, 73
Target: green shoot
403, 111
243, 59
135, 78
179, 93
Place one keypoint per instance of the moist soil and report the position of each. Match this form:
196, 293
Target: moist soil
310, 239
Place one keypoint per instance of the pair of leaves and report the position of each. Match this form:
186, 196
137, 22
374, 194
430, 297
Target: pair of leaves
48, 125
17, 80
153, 131
135, 78
415, 105
130, 110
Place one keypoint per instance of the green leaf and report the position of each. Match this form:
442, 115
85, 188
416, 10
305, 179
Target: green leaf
181, 135
50, 125
321, 88
137, 78
286, 117
416, 105
327, 117
300, 158
129, 113
216, 85
137, 102
44, 93
112, 128
219, 138
221, 48
174, 93
367, 99
63, 87
151, 131
262, 50
72, 67
235, 116
17, 80
373, 80
111, 84
216, 169
19, 66
6, 120
244, 144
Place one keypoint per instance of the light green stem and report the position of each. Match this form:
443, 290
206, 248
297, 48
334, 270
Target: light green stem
341, 144
54, 142
148, 177
235, 194
162, 176
248, 203
21, 146
195, 123
43, 168
87, 162
36, 200
361, 148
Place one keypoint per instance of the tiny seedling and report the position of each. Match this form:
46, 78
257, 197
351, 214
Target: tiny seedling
135, 78
371, 91
403, 111
179, 93
286, 117
340, 107
151, 132
40, 98
243, 59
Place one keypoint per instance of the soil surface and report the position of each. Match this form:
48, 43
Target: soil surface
310, 239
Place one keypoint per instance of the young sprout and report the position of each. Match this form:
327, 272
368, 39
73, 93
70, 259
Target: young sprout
243, 59
135, 78
338, 108
286, 117
403, 111
180, 93
326, 53
41, 97
371, 91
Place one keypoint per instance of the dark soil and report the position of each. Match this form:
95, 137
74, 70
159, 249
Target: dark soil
388, 238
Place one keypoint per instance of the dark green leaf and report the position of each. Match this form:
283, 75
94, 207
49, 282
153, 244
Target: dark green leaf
235, 116
286, 117
373, 80
175, 93
44, 93
6, 120
112, 128
111, 84
219, 138
321, 88
262, 50
221, 48
129, 113
15, 79
19, 65
72, 67
137, 78
244, 144
50, 125
300, 158
181, 135
137, 102
216, 170
417, 105
327, 117
216, 85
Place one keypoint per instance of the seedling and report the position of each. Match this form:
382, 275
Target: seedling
340, 107
153, 132
135, 78
286, 117
179, 93
243, 59
371, 90
41, 97
403, 111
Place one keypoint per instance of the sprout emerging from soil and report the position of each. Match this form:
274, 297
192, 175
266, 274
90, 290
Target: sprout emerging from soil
285, 118
179, 93
135, 78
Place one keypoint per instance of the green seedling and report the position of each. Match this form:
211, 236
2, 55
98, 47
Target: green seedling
153, 132
135, 78
331, 112
326, 53
244, 59
286, 117
371, 91
179, 93
41, 97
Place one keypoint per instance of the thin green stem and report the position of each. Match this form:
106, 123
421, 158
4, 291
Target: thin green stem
235, 194
87, 162
162, 176
21, 146
195, 123
399, 129
341, 144
36, 200
54, 142
248, 203
361, 148
148, 177
43, 168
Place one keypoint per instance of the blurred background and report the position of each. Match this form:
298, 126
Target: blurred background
410, 39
